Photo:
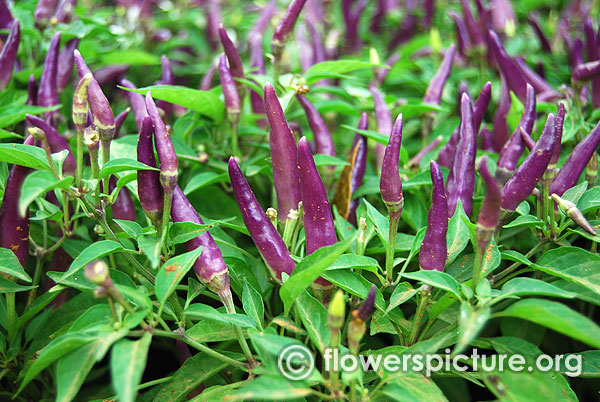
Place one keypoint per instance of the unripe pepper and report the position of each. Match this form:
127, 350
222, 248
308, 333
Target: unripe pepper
8, 54
48, 92
317, 125
150, 191
522, 183
433, 94
571, 170
357, 325
137, 102
384, 120
360, 166
65, 64
14, 228
461, 180
574, 213
390, 183
513, 148
56, 142
266, 238
283, 155
434, 248
123, 207
500, 131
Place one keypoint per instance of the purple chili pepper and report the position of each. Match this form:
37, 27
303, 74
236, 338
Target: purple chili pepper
503, 15
286, 25
318, 221
209, 267
257, 62
164, 147
433, 94
415, 160
64, 12
404, 33
544, 42
120, 119
434, 249
123, 207
283, 155
235, 63
56, 142
463, 88
360, 166
206, 82
317, 125
390, 183
137, 102
213, 18
305, 51
14, 228
526, 138
500, 130
462, 35
319, 53
569, 173
559, 121
586, 71
590, 38
167, 78
150, 191
490, 208
110, 74
6, 18
461, 180
44, 11
384, 120
232, 99
513, 148
351, 18
539, 84
522, 183
32, 91
8, 54
473, 27
269, 243
65, 64
263, 21
47, 92
382, 73
487, 143
511, 71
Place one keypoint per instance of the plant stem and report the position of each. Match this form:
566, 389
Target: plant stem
425, 293
105, 159
79, 174
168, 201
230, 308
515, 265
36, 279
391, 249
11, 316
210, 352
234, 139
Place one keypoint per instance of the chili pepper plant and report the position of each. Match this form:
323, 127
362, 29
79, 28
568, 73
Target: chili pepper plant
226, 200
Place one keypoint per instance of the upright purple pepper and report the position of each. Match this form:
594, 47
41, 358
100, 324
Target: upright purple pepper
544, 42
569, 173
232, 99
207, 79
384, 120
283, 155
65, 64
360, 166
137, 102
31, 91
489, 214
539, 84
120, 119
434, 247
209, 267
150, 191
462, 35
352, 14
500, 131
266, 238
257, 62
263, 21
56, 142
8, 54
461, 180
6, 18
522, 183
474, 29
390, 183
123, 207
511, 71
513, 148
559, 123
164, 148
433, 94
286, 25
14, 228
317, 125
48, 92
235, 62
213, 18
167, 78
44, 11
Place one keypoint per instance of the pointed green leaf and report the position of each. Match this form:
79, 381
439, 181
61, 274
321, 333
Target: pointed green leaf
172, 272
127, 364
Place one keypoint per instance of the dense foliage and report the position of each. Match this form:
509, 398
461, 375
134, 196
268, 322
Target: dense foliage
192, 190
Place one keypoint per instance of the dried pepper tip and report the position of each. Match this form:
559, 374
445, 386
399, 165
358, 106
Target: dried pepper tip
337, 311
574, 213
80, 102
434, 248
97, 273
490, 208
91, 137
365, 311
390, 183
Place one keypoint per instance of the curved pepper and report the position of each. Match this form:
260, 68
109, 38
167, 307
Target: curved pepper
390, 183
164, 147
319, 128
65, 64
266, 238
500, 131
522, 183
433, 94
489, 214
461, 180
511, 71
8, 54
283, 155
434, 248
137, 102
286, 25
48, 92
56, 142
150, 191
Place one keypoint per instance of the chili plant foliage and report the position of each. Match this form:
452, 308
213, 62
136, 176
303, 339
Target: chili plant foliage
351, 178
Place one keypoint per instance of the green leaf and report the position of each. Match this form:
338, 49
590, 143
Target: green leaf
205, 179
272, 388
172, 272
120, 165
91, 253
354, 261
181, 232
529, 221
209, 330
574, 193
590, 200
132, 57
590, 362
470, 322
72, 369
573, 264
133, 229
402, 292
198, 310
206, 103
556, 316
8, 286
333, 68
532, 287
37, 184
354, 284
458, 234
253, 304
13, 114
9, 264
328, 160
150, 246
24, 155
127, 364
413, 387
436, 279
309, 269
314, 319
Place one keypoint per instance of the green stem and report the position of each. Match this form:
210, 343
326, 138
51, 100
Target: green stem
234, 139
11, 316
205, 349
228, 302
36, 279
168, 201
105, 159
425, 293
515, 265
79, 173
391, 249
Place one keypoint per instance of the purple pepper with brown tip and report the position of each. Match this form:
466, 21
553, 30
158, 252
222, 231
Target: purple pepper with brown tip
434, 247
283, 155
48, 92
390, 183
461, 180
286, 25
209, 267
14, 228
65, 64
433, 94
56, 142
513, 148
317, 125
266, 238
360, 165
164, 147
150, 191
500, 130
123, 207
137, 102
489, 214
8, 54
526, 177
569, 173
511, 71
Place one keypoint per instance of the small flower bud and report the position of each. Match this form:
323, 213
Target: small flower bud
37, 133
97, 272
574, 213
272, 215
337, 311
